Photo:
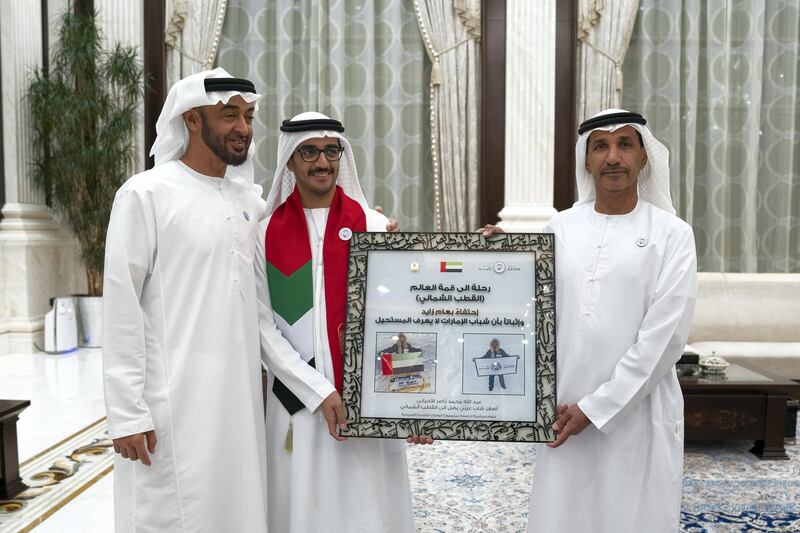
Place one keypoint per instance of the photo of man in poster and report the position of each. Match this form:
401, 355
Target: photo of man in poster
494, 352
494, 363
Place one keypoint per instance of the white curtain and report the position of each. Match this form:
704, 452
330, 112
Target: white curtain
192, 36
604, 30
719, 82
469, 11
451, 37
359, 61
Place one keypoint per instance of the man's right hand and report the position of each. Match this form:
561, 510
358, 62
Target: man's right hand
333, 409
133, 446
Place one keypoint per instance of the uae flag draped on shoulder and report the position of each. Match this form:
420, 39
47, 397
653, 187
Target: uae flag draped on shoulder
288, 250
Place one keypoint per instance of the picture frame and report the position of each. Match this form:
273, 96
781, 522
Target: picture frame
451, 336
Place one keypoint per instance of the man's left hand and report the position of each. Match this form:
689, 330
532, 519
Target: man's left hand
571, 421
392, 226
419, 439
488, 230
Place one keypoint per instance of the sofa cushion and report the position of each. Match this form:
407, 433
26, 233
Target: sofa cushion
747, 307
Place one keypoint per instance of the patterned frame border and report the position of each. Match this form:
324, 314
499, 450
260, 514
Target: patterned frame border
538, 431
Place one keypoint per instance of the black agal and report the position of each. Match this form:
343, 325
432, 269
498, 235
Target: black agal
609, 119
314, 124
229, 84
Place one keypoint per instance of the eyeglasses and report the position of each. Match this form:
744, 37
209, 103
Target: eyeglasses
309, 154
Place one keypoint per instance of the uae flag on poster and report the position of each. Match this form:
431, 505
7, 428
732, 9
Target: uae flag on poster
402, 363
450, 266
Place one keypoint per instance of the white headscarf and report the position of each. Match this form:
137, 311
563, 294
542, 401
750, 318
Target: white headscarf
653, 179
284, 181
172, 135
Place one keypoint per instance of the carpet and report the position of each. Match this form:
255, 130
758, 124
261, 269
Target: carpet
481, 488
58, 475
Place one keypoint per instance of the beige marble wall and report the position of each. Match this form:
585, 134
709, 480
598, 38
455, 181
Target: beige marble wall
38, 260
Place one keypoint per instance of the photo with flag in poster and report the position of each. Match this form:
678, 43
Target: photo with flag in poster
405, 362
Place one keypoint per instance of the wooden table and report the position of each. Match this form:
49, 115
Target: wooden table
10, 482
745, 403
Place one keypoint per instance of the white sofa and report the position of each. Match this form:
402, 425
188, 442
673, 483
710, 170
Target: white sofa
750, 318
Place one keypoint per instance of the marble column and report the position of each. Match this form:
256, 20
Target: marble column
530, 117
38, 258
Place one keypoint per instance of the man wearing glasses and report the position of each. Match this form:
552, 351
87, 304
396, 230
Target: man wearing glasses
318, 480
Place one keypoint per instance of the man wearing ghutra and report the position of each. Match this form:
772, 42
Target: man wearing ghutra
626, 284
317, 483
181, 358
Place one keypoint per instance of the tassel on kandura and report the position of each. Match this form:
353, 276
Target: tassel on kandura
287, 444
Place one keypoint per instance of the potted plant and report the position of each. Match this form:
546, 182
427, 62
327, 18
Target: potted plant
83, 111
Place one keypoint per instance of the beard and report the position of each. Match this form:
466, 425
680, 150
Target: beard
218, 145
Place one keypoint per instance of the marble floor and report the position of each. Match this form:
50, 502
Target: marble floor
66, 394
457, 486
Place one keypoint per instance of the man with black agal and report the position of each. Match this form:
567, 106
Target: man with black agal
626, 281
318, 480
180, 343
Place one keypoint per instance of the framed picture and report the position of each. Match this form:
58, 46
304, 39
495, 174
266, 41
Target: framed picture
451, 335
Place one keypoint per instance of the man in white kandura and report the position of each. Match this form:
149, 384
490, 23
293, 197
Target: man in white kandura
316, 481
626, 281
180, 343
